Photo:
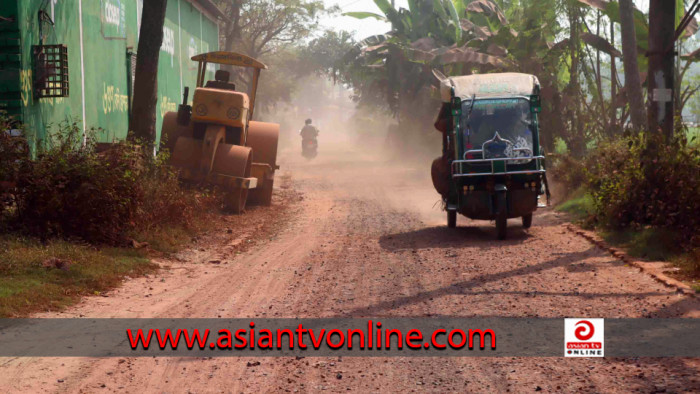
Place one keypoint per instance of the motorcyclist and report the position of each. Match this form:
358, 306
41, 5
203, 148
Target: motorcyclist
309, 144
309, 131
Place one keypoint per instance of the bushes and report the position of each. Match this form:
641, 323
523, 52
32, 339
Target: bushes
646, 182
72, 190
13, 156
641, 182
566, 169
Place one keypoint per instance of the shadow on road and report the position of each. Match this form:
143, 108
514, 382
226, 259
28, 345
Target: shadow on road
444, 237
463, 287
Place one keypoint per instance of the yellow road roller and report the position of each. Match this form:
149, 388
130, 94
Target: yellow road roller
215, 139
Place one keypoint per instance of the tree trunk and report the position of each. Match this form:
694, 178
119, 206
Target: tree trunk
598, 76
233, 27
143, 116
633, 84
662, 18
233, 35
613, 85
576, 142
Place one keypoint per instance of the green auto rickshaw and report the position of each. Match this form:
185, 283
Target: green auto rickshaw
492, 166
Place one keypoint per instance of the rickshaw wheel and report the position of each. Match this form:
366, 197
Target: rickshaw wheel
451, 219
527, 220
501, 216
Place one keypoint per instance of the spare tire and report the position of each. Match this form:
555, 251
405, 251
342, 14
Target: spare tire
440, 173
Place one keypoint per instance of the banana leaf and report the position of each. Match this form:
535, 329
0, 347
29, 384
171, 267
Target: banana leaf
364, 15
487, 7
470, 56
600, 44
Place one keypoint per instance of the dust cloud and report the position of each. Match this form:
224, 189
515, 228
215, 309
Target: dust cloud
362, 153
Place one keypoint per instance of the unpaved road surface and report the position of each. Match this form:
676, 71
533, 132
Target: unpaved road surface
368, 240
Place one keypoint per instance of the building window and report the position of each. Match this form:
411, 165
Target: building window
50, 70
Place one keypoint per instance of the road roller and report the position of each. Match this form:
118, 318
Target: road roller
215, 140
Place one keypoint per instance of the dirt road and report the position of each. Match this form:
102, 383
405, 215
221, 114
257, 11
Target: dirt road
368, 239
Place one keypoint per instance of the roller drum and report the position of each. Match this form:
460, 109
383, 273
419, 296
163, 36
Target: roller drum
186, 153
263, 138
171, 130
233, 160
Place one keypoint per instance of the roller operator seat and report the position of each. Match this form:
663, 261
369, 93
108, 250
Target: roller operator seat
221, 81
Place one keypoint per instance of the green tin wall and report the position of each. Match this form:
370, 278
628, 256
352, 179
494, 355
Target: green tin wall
99, 84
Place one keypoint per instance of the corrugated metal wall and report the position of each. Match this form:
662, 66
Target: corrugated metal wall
99, 64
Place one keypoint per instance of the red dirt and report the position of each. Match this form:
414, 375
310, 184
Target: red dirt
368, 239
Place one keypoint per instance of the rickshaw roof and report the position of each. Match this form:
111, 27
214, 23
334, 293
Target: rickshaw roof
489, 85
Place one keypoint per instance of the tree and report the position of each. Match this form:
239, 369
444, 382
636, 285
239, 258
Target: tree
457, 38
259, 27
392, 70
324, 53
633, 82
265, 29
143, 118
232, 30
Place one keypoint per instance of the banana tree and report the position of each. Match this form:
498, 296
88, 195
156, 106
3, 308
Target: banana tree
460, 37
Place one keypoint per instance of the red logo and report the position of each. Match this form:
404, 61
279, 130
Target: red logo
584, 333
584, 337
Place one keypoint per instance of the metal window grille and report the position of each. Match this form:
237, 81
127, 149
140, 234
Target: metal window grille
50, 70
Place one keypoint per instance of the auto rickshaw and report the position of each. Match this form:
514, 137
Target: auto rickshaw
492, 166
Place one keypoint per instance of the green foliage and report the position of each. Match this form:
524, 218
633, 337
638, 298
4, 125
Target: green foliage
693, 136
648, 243
394, 70
580, 205
31, 280
566, 169
385, 69
274, 32
324, 54
292, 64
639, 182
259, 27
72, 190
14, 152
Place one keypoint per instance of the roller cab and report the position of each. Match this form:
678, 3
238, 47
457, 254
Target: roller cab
216, 141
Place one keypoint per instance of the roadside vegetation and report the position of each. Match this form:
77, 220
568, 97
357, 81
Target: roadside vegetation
640, 189
640, 193
76, 219
77, 216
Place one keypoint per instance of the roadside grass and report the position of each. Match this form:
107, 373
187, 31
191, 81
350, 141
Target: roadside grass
648, 243
30, 281
689, 263
171, 238
651, 244
38, 277
579, 205
77, 218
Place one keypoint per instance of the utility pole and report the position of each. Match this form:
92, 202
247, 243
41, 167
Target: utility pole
662, 56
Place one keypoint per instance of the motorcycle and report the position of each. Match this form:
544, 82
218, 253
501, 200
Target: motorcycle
309, 147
